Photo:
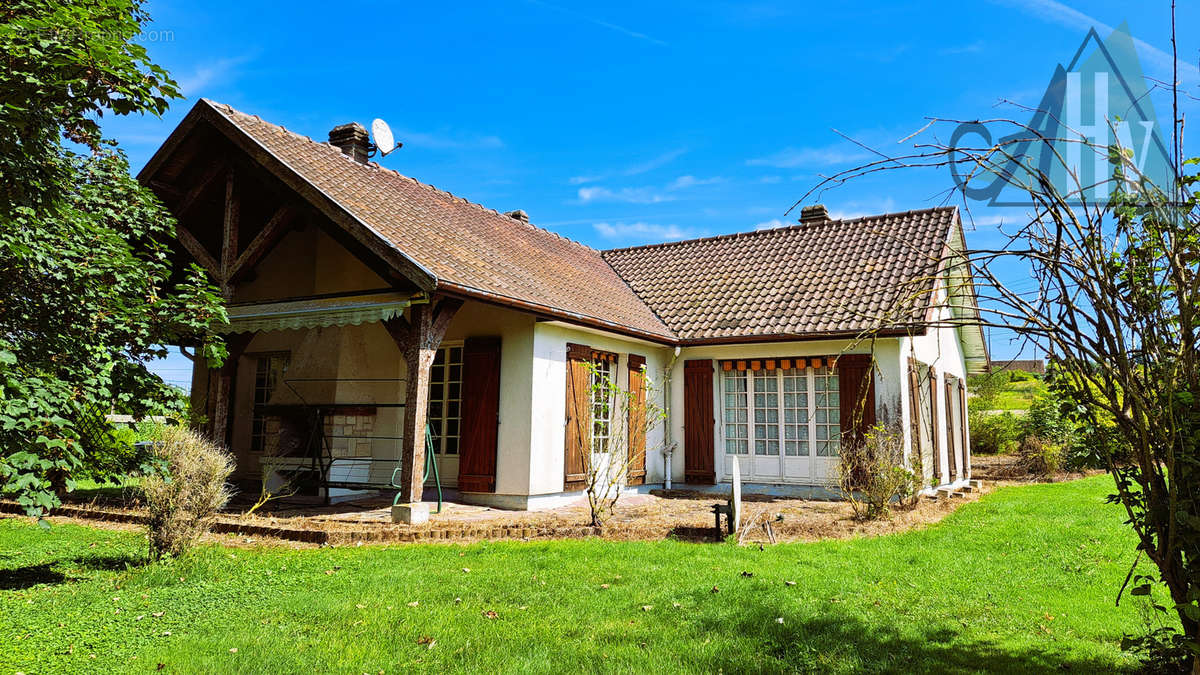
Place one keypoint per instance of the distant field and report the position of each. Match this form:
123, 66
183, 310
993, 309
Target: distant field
1015, 395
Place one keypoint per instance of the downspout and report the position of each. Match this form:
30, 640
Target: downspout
668, 444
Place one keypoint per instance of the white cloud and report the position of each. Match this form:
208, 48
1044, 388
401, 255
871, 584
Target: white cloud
973, 48
791, 158
630, 195
772, 224
440, 141
770, 180
642, 232
209, 75
683, 182
600, 22
633, 170
1056, 12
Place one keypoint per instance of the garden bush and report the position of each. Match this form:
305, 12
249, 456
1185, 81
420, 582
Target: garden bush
183, 499
994, 434
872, 476
1040, 457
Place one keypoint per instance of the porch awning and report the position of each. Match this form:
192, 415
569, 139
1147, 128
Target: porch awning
344, 310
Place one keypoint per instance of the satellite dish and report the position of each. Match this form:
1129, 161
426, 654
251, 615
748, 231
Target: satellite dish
384, 141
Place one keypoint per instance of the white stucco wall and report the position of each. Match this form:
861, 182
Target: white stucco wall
888, 382
939, 347
549, 407
515, 330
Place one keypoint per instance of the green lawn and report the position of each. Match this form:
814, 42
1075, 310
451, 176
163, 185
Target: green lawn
1022, 581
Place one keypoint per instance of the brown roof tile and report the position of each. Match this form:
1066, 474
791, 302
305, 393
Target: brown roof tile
839, 276
460, 242
828, 277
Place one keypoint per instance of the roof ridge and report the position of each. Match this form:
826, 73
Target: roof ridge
230, 110
769, 230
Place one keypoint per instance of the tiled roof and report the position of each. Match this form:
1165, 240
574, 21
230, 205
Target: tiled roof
839, 276
461, 243
832, 277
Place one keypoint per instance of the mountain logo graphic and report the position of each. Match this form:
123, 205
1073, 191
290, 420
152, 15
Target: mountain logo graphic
1099, 100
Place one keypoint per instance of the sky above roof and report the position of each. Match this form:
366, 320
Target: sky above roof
619, 124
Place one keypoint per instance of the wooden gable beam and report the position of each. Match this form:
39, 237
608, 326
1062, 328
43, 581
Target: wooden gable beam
198, 251
198, 189
261, 244
229, 232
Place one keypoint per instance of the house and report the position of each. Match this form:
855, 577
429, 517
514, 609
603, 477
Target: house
364, 305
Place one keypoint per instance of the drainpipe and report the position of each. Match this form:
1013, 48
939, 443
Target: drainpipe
668, 444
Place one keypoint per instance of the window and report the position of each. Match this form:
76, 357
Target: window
797, 410
269, 370
600, 384
445, 399
766, 413
828, 411
736, 414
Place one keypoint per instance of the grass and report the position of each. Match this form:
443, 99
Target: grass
1021, 581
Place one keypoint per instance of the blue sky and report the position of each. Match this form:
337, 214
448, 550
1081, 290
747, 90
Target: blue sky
626, 123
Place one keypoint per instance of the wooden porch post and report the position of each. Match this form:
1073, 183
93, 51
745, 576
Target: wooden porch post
221, 383
418, 338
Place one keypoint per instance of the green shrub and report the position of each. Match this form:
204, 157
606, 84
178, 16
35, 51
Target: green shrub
184, 499
872, 476
1039, 457
994, 434
1046, 420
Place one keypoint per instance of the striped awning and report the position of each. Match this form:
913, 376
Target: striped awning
784, 362
347, 310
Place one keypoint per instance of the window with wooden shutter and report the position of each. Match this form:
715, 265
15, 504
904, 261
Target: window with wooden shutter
637, 420
933, 415
964, 430
951, 443
579, 422
857, 397
698, 422
914, 408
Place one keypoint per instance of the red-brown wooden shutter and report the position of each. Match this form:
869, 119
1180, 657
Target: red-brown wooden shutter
951, 445
579, 418
637, 420
966, 436
933, 430
856, 382
698, 422
914, 408
480, 415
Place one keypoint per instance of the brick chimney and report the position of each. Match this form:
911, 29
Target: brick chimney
352, 139
813, 215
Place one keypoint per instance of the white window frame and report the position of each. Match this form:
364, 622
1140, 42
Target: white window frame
600, 403
446, 443
808, 418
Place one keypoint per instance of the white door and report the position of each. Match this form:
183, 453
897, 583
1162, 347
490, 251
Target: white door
784, 424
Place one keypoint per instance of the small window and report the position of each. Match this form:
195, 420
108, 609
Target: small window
602, 395
445, 399
269, 370
827, 411
737, 436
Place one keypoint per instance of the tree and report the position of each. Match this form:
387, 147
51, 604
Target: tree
1110, 290
88, 290
619, 432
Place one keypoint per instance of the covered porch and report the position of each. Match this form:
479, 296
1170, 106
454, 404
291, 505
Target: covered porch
331, 397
